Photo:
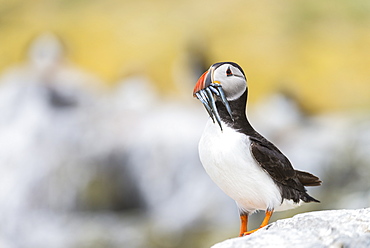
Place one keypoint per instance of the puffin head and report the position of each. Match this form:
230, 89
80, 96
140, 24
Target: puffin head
224, 81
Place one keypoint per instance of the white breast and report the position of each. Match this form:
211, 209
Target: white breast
226, 157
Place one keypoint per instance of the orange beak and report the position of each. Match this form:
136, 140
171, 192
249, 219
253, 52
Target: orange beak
200, 85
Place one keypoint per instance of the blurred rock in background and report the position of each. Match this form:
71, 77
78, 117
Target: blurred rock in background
109, 158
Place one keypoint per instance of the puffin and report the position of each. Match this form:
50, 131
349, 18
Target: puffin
241, 162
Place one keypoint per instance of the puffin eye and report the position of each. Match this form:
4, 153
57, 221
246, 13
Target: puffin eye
229, 72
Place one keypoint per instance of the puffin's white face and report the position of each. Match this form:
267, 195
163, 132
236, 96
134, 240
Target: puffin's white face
232, 80
223, 81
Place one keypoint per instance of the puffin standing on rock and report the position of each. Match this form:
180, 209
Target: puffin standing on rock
245, 165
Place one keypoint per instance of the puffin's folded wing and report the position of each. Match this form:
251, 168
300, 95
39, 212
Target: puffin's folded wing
272, 160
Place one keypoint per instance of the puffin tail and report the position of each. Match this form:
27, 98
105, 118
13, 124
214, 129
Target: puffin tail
307, 198
307, 179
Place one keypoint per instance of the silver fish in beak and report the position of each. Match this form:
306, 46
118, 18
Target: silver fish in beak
208, 91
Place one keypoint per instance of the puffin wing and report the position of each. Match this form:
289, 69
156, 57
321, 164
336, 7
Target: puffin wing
274, 162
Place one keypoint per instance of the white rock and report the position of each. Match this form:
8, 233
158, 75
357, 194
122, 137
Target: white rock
333, 228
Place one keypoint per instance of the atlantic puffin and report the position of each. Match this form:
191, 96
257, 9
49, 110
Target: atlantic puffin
244, 164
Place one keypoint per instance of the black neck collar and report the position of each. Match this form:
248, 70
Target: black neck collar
238, 108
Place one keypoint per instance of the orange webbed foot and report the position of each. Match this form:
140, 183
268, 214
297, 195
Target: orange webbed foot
243, 230
250, 232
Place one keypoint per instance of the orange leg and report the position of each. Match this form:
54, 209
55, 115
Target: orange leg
265, 222
243, 224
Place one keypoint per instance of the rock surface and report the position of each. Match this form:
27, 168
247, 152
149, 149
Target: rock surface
332, 228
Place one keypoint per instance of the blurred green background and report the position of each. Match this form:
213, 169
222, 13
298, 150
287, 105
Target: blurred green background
319, 49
